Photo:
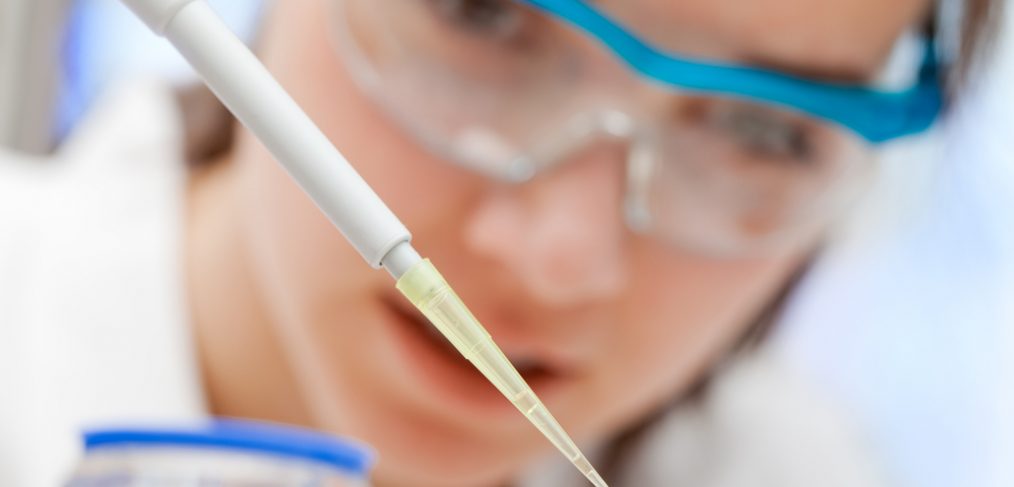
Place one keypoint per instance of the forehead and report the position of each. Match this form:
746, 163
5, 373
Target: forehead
820, 37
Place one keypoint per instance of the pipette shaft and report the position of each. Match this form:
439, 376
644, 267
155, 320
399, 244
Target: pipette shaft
249, 91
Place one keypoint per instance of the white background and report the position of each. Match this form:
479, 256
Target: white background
914, 330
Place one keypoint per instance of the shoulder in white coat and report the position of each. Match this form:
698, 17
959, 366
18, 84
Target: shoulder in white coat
93, 325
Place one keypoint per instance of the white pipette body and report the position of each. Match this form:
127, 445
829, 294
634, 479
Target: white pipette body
245, 86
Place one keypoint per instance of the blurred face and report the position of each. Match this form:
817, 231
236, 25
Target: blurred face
606, 324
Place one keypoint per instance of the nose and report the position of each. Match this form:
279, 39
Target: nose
562, 233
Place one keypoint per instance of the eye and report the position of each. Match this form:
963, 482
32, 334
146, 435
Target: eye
501, 20
759, 132
764, 132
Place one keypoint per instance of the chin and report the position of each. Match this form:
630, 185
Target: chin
430, 471
415, 452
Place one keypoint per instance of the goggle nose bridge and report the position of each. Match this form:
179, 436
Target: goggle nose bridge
582, 130
588, 128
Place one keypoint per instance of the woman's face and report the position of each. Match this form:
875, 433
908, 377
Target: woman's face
605, 324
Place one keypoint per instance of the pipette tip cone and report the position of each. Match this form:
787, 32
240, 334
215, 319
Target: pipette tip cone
595, 479
431, 294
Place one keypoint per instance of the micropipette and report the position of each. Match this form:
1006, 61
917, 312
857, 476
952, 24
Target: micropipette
250, 92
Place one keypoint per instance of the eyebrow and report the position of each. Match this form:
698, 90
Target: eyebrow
844, 74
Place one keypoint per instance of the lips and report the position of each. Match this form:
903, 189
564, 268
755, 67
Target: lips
532, 367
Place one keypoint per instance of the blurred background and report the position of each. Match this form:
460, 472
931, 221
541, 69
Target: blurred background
95, 43
912, 328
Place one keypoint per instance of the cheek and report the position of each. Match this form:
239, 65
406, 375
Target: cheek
301, 253
316, 284
681, 314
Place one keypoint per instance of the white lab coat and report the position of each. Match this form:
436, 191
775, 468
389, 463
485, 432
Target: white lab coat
93, 329
92, 318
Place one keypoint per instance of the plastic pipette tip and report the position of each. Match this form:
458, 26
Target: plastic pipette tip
427, 290
586, 468
595, 478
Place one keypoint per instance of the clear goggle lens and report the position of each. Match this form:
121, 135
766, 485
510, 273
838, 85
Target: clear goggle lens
502, 88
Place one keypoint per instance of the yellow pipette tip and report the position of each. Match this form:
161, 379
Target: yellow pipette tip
595, 478
430, 293
589, 472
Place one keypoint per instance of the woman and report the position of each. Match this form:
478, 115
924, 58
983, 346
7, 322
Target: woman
620, 236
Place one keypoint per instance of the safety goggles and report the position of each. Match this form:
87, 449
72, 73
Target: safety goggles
720, 157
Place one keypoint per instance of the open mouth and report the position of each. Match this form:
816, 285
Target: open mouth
532, 369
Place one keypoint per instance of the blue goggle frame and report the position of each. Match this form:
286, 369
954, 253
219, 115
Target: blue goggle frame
877, 116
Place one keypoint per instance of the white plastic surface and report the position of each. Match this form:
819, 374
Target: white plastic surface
400, 259
156, 13
244, 85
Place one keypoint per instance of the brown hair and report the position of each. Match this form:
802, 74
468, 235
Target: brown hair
980, 28
979, 31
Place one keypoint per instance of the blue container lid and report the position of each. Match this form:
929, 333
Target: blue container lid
241, 435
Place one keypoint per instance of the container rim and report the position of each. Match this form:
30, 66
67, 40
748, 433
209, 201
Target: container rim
348, 456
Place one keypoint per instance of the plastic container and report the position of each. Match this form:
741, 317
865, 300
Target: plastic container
222, 453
